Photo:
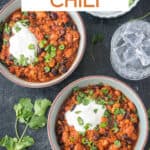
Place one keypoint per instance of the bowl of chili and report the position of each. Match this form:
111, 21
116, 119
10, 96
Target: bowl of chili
97, 112
39, 49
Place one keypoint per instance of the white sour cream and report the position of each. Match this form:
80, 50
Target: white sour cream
90, 114
20, 41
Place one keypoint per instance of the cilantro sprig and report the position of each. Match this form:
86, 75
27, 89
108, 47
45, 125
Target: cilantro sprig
32, 116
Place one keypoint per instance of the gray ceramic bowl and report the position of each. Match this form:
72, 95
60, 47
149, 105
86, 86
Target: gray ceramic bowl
15, 4
91, 80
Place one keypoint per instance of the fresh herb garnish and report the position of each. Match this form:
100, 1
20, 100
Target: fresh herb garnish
5, 42
117, 143
61, 47
32, 119
24, 22
87, 126
75, 89
22, 61
47, 69
103, 124
105, 91
31, 46
78, 112
51, 50
47, 57
89, 143
17, 28
106, 113
115, 127
7, 29
25, 13
83, 98
95, 111
119, 111
80, 121
42, 43
97, 38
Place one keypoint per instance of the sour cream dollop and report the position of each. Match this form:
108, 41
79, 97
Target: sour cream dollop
23, 42
82, 115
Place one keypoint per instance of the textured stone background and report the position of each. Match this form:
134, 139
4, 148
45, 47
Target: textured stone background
9, 92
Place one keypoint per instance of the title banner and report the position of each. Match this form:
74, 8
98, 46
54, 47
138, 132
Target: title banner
75, 5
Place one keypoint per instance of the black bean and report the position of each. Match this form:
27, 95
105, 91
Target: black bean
64, 61
73, 107
96, 137
53, 15
62, 38
127, 115
62, 69
74, 27
127, 139
62, 32
33, 15
72, 146
54, 71
69, 24
11, 58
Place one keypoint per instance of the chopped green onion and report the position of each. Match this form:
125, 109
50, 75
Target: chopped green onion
36, 60
42, 43
48, 48
119, 111
95, 111
25, 13
82, 133
87, 126
84, 141
115, 129
47, 69
103, 124
17, 28
7, 29
47, 57
24, 22
61, 47
5, 42
22, 61
78, 112
104, 91
53, 51
75, 89
106, 113
117, 143
31, 46
80, 121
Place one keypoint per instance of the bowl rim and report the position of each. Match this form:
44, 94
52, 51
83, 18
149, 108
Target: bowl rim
57, 80
73, 83
114, 14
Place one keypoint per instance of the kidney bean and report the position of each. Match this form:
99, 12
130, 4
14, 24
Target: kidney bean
53, 15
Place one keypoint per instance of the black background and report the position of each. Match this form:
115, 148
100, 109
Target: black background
10, 93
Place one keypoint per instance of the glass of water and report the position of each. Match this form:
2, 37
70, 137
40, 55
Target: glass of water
130, 50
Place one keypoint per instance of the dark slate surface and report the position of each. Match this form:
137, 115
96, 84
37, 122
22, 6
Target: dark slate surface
9, 92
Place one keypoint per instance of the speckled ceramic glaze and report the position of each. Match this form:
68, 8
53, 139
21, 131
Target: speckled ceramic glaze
91, 80
15, 4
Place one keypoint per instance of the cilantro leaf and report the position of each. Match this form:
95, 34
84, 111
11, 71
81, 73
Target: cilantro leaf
41, 106
8, 142
24, 110
26, 142
37, 122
